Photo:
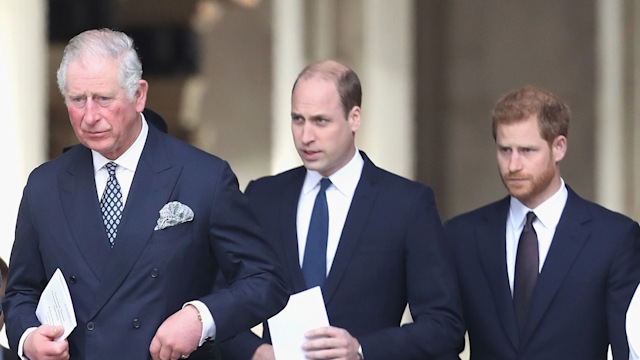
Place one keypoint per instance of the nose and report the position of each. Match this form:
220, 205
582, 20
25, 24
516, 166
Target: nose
307, 134
91, 112
515, 162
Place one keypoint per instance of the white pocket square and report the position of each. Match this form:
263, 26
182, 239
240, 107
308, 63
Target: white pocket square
173, 213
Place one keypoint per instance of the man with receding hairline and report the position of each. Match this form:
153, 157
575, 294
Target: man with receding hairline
383, 247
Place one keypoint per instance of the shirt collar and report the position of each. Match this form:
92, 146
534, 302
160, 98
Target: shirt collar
548, 213
345, 179
128, 160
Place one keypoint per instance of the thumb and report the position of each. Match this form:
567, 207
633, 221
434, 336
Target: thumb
51, 331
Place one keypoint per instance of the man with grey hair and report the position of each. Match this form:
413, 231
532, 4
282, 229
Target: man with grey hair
139, 223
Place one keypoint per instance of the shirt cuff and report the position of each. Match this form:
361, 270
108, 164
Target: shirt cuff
21, 343
208, 324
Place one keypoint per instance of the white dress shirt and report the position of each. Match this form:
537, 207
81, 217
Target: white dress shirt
339, 196
547, 217
127, 164
633, 326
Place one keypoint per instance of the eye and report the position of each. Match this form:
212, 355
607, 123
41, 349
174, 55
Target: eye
77, 101
321, 120
103, 100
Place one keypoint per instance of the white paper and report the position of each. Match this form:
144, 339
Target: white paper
55, 306
633, 326
304, 311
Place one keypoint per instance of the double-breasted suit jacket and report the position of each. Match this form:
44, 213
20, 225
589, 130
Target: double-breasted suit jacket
122, 294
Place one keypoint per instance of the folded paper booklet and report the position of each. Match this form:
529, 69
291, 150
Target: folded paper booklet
55, 306
304, 311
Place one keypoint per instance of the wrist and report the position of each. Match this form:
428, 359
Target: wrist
197, 312
208, 326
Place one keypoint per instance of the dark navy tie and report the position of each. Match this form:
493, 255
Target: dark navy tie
527, 265
314, 264
111, 203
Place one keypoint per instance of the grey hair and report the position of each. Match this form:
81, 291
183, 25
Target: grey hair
108, 44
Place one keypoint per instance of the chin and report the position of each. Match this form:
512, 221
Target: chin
520, 193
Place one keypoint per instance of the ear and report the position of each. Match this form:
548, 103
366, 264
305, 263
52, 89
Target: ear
559, 148
354, 118
140, 98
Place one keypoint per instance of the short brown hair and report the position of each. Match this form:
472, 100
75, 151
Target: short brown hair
520, 104
346, 81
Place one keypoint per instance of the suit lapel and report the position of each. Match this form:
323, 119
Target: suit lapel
80, 204
152, 187
491, 245
288, 215
354, 225
569, 238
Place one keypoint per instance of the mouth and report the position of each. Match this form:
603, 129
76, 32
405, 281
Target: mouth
95, 134
309, 154
515, 180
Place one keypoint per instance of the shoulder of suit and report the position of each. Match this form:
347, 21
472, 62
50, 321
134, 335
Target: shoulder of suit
182, 151
283, 177
596, 211
496, 209
394, 182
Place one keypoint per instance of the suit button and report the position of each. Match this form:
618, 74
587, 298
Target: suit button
90, 326
155, 273
136, 323
73, 279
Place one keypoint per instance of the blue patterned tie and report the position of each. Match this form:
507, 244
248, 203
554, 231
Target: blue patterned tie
111, 203
314, 264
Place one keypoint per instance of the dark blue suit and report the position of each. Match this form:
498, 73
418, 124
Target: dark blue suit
391, 252
581, 296
122, 295
8, 354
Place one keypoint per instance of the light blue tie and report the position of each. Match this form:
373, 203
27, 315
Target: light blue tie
111, 203
314, 264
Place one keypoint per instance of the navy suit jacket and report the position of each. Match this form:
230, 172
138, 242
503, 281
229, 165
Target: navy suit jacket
8, 354
391, 252
122, 294
581, 295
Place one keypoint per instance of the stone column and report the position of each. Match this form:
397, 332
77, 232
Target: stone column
610, 105
288, 60
387, 60
23, 93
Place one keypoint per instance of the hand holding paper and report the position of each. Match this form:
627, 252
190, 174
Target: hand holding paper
304, 311
55, 306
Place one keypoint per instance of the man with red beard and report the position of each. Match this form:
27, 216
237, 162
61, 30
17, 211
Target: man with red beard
543, 273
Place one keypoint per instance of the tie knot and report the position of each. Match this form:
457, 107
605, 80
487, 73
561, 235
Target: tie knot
324, 184
531, 217
111, 168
